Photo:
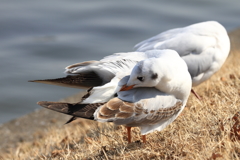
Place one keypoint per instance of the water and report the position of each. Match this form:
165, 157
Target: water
39, 38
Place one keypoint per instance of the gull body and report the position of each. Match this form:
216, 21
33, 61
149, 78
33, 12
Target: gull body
203, 46
153, 102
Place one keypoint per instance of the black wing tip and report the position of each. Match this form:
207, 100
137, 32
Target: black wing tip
32, 80
71, 119
39, 81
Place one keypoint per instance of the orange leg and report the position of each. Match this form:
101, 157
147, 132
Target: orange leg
195, 94
129, 134
144, 138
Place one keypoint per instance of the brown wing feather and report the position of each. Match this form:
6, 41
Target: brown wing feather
115, 109
118, 109
86, 80
163, 113
78, 110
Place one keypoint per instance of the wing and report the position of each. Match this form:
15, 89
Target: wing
198, 64
77, 110
93, 73
82, 80
193, 39
152, 110
97, 73
149, 44
201, 67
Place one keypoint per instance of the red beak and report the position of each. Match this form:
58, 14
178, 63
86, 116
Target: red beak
126, 88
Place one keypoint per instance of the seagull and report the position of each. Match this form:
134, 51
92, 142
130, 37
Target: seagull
150, 95
148, 92
203, 46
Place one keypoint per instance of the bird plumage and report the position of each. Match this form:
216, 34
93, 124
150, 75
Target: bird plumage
148, 107
204, 47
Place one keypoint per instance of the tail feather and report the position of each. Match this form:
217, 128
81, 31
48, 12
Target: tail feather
77, 110
87, 80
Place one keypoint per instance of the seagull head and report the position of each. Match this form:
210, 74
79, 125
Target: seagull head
145, 74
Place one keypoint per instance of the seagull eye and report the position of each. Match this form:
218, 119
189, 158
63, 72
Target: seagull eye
140, 78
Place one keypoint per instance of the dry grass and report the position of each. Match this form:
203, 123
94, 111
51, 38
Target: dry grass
205, 130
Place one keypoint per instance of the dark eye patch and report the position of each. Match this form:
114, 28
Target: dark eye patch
154, 76
140, 78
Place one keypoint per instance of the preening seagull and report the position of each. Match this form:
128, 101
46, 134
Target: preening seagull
203, 46
137, 89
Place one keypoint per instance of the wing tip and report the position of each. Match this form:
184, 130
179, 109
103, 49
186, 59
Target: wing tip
39, 81
44, 103
32, 80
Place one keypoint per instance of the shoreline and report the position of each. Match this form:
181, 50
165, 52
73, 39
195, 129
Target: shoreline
31, 126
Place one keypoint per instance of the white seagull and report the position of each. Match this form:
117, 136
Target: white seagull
150, 98
203, 46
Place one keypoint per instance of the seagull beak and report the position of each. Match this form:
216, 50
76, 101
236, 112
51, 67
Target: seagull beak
126, 88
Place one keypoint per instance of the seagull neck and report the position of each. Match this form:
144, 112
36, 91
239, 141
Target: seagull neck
172, 87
